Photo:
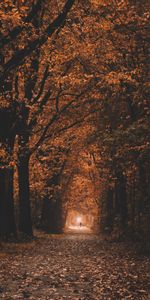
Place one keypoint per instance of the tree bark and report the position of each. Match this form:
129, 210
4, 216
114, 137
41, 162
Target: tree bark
8, 130
110, 195
121, 199
7, 217
51, 219
25, 223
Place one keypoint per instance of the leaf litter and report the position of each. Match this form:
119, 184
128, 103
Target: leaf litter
76, 267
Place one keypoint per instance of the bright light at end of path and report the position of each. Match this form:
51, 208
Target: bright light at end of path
78, 219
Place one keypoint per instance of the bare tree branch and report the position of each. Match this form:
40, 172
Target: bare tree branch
40, 109
77, 122
51, 121
42, 83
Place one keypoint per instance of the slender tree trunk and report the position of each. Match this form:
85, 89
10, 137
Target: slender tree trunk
144, 196
121, 199
51, 216
109, 210
7, 218
25, 223
133, 202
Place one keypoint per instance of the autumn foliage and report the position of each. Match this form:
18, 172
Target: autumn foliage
74, 115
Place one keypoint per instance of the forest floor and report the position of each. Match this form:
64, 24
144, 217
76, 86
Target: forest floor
75, 267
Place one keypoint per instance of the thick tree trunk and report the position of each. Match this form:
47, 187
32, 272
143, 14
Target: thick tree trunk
7, 218
25, 223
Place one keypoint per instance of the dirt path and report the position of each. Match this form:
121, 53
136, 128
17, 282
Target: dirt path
72, 267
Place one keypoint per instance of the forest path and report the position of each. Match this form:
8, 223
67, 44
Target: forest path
75, 267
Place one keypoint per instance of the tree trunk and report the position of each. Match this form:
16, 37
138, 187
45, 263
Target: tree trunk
110, 195
25, 223
51, 219
143, 203
7, 218
133, 202
121, 199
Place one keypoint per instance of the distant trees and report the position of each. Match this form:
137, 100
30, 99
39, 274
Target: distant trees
124, 132
88, 68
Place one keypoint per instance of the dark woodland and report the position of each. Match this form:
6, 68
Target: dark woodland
74, 149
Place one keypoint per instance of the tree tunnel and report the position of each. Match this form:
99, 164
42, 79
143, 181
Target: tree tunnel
80, 203
84, 191
74, 204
